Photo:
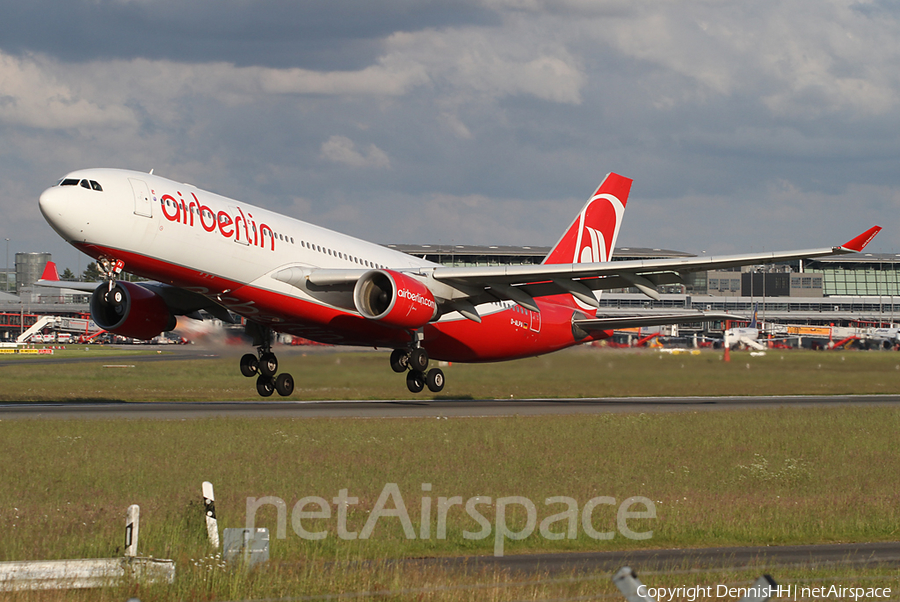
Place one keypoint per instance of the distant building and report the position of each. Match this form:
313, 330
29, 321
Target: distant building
29, 267
8, 280
774, 281
861, 274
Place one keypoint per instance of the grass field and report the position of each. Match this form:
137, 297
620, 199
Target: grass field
584, 372
724, 478
742, 477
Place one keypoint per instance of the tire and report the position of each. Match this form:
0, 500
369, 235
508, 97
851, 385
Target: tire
399, 360
415, 381
268, 364
418, 359
249, 365
284, 384
435, 380
265, 385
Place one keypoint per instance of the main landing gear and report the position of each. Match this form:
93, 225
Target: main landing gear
416, 361
264, 365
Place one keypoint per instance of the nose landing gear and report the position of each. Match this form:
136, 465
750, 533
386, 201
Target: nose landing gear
416, 361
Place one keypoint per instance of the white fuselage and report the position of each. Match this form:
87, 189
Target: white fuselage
183, 225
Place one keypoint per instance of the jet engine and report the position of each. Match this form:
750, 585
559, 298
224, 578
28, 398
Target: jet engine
395, 299
131, 311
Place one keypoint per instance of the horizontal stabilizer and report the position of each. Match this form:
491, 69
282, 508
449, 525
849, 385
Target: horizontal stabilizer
634, 321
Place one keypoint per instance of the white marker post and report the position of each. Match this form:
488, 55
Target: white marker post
132, 525
209, 507
628, 583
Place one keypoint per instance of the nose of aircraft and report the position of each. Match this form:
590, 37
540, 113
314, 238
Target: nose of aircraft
53, 206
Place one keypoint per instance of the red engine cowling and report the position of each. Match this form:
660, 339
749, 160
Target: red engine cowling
394, 299
131, 311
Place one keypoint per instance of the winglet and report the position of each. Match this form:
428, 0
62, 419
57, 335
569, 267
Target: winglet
50, 272
859, 243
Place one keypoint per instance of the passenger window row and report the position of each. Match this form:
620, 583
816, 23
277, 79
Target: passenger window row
339, 255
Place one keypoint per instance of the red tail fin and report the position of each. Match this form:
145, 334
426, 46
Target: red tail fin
592, 236
50, 272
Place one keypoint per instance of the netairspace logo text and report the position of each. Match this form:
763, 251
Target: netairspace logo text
391, 506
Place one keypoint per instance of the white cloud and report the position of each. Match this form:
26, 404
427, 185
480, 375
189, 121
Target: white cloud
479, 62
32, 95
341, 149
801, 59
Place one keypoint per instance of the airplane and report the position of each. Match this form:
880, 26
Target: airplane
208, 252
745, 335
885, 338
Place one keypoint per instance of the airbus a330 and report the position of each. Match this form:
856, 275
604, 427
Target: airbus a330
205, 252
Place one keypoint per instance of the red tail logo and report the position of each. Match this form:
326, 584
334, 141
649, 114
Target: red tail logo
592, 236
50, 272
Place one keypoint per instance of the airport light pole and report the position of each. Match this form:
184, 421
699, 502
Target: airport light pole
7, 266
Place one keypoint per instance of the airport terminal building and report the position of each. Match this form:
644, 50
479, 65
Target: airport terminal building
844, 290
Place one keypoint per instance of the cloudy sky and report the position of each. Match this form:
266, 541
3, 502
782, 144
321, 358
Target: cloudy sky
746, 126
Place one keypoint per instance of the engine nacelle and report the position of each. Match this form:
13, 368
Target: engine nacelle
131, 311
394, 299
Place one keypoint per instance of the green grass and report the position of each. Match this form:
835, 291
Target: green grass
413, 582
749, 477
583, 372
738, 477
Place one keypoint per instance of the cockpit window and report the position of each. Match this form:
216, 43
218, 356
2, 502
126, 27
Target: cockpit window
89, 184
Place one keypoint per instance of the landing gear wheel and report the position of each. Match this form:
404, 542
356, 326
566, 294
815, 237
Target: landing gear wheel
418, 359
265, 385
268, 364
399, 360
284, 384
435, 380
249, 365
415, 381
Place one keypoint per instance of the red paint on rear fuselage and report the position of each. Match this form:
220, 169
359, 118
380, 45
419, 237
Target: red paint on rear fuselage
511, 332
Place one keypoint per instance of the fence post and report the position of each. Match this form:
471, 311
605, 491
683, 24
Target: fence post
209, 507
132, 527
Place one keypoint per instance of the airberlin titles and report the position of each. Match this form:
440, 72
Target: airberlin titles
229, 226
419, 298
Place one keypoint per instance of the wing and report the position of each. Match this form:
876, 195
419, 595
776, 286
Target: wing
462, 288
68, 284
521, 282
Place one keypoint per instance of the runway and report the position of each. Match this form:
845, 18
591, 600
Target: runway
685, 560
432, 408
